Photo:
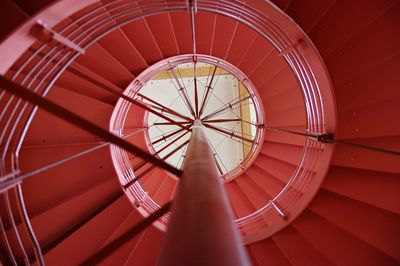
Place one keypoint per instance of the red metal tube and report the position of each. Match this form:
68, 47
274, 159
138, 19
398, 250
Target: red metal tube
201, 229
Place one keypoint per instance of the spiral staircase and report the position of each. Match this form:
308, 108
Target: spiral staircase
320, 188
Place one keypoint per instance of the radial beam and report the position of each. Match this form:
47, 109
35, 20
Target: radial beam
227, 106
142, 174
201, 228
82, 123
230, 134
183, 93
208, 92
164, 108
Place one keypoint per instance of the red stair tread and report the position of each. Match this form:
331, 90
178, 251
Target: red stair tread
204, 27
163, 32
90, 236
336, 244
101, 62
240, 44
256, 195
266, 181
353, 22
119, 256
298, 250
365, 186
141, 37
67, 180
347, 156
181, 28
62, 216
224, 30
146, 252
238, 199
266, 252
61, 132
361, 220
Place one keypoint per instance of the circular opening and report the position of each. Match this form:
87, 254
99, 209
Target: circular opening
208, 89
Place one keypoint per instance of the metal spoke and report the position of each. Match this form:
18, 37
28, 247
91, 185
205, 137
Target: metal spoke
193, 27
196, 94
207, 93
231, 120
231, 130
165, 108
142, 174
215, 158
227, 106
182, 92
230, 134
140, 165
82, 123
169, 123
167, 136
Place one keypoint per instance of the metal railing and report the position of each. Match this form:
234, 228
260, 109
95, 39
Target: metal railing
39, 68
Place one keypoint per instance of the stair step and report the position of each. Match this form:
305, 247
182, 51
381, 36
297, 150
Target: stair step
367, 122
280, 169
256, 195
259, 48
337, 245
120, 47
181, 28
165, 190
360, 220
64, 215
62, 132
101, 62
223, 34
282, 81
284, 137
65, 181
140, 35
297, 249
119, 256
285, 152
163, 32
352, 157
381, 76
353, 23
308, 18
205, 28
291, 116
240, 203
147, 250
91, 236
350, 58
83, 81
239, 49
270, 184
266, 252
365, 186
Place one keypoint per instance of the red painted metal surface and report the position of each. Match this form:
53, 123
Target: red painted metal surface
201, 214
354, 218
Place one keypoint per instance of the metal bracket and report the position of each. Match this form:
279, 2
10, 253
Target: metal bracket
8, 181
278, 210
300, 42
325, 138
42, 32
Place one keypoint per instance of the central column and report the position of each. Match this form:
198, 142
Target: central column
201, 229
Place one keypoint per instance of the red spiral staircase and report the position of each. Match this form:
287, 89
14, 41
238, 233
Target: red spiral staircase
323, 188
